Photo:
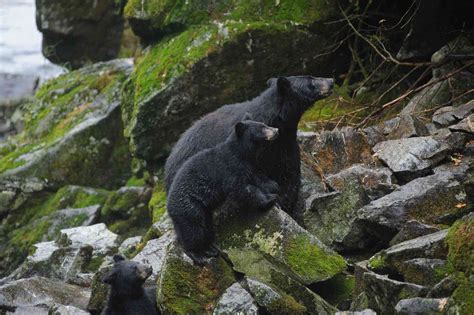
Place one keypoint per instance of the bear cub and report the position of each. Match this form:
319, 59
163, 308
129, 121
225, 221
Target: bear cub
226, 173
127, 295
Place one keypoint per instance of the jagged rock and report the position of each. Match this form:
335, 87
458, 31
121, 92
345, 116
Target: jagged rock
376, 181
465, 125
412, 229
348, 145
422, 271
329, 215
184, 288
409, 157
154, 253
450, 115
236, 300
443, 288
129, 245
384, 293
98, 236
363, 312
430, 246
74, 130
37, 291
186, 76
276, 234
421, 306
408, 126
430, 199
453, 139
126, 211
78, 33
272, 300
59, 309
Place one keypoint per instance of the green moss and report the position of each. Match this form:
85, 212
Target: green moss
94, 264
463, 296
310, 260
337, 289
157, 202
187, 289
135, 182
377, 262
285, 305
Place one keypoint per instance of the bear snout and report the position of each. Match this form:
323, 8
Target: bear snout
271, 133
326, 85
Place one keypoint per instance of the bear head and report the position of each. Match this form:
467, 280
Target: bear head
253, 135
127, 277
295, 94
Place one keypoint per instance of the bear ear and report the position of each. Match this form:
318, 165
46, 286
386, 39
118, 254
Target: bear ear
240, 129
109, 278
271, 81
247, 116
283, 85
118, 258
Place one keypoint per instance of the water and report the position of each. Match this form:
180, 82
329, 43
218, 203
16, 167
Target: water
20, 41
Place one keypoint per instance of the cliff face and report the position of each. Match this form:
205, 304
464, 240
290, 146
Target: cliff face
386, 196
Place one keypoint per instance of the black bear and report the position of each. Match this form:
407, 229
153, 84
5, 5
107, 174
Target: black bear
225, 173
281, 105
127, 295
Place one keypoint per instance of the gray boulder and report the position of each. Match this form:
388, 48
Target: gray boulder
412, 229
236, 300
421, 306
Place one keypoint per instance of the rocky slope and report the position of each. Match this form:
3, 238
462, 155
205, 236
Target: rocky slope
387, 210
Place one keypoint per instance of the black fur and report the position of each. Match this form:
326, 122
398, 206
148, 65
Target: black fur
225, 173
127, 295
280, 106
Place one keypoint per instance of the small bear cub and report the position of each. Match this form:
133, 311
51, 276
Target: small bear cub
127, 295
226, 173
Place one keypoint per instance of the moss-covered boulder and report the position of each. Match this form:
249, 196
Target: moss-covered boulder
276, 238
80, 32
42, 216
185, 76
73, 132
154, 18
183, 288
126, 211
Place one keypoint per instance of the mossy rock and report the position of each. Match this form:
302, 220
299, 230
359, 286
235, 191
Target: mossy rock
279, 238
154, 18
73, 131
460, 242
126, 211
37, 221
185, 76
183, 288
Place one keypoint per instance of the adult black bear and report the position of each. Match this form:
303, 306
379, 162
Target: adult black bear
225, 173
281, 105
127, 295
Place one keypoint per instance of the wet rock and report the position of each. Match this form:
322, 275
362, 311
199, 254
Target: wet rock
421, 306
443, 288
376, 181
422, 271
431, 246
336, 150
408, 126
37, 290
409, 157
78, 33
384, 293
185, 288
186, 76
74, 130
236, 300
412, 229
